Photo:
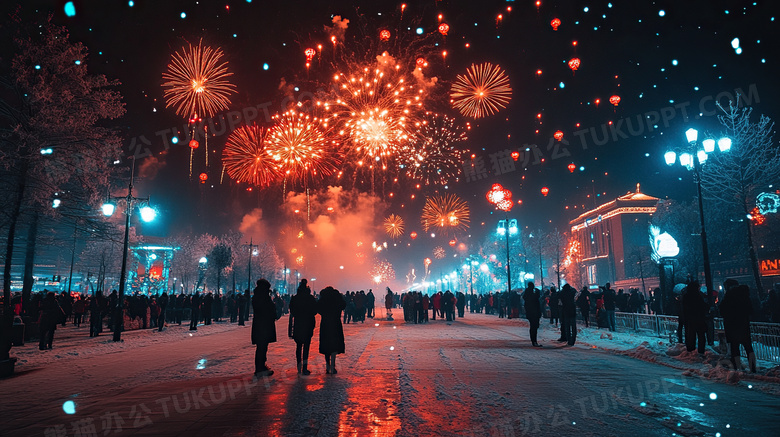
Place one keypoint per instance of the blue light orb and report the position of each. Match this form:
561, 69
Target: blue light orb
69, 407
586, 9
70, 9
562, 85
78, 62
265, 66
419, 31
713, 396
131, 3
674, 62
183, 15
37, 67
661, 13
175, 140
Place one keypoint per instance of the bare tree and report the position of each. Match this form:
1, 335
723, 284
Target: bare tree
735, 178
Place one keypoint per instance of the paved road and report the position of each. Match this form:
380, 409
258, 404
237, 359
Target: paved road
476, 376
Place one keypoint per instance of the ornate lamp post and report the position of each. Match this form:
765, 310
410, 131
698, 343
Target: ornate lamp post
148, 214
693, 159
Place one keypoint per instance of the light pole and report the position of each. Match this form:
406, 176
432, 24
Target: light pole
252, 252
694, 161
147, 214
506, 228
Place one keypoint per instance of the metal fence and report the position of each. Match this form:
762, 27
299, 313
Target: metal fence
765, 336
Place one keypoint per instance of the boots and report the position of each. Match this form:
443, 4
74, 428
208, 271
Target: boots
333, 364
303, 368
327, 365
299, 366
752, 362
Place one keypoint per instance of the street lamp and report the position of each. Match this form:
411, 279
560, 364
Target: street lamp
693, 159
147, 214
252, 252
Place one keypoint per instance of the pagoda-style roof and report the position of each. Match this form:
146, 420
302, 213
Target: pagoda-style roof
632, 202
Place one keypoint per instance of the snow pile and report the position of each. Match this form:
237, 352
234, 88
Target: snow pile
642, 352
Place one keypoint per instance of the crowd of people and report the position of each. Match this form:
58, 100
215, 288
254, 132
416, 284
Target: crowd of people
695, 311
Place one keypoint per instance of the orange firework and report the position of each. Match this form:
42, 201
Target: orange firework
446, 213
433, 157
373, 110
394, 226
382, 272
246, 158
482, 91
439, 253
196, 82
300, 145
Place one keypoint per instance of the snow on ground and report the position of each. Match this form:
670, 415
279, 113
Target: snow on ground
476, 376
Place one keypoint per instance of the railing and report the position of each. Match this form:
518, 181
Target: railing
765, 336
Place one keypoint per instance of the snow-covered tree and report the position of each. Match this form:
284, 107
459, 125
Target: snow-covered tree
734, 178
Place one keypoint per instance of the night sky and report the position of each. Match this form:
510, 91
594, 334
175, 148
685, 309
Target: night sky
665, 60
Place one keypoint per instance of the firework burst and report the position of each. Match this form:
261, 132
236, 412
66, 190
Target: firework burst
439, 253
446, 213
382, 272
482, 91
434, 157
246, 158
394, 226
375, 111
302, 147
196, 82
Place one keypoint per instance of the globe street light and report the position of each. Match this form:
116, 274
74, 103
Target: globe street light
147, 214
693, 159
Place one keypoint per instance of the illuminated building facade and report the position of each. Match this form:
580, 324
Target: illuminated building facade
613, 238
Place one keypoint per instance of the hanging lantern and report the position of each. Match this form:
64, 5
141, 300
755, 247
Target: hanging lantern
453, 243
515, 155
555, 23
310, 52
194, 144
597, 101
444, 28
545, 191
421, 62
413, 235
614, 99
203, 178
558, 135
571, 167
384, 35
574, 64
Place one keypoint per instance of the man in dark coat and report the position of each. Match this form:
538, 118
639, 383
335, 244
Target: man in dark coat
51, 315
241, 303
568, 314
583, 301
609, 306
95, 315
370, 302
208, 308
263, 326
162, 302
303, 308
735, 310
195, 318
533, 310
330, 306
694, 313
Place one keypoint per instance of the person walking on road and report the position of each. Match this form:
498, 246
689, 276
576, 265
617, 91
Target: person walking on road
303, 308
583, 301
389, 304
735, 310
163, 304
263, 326
568, 314
533, 310
51, 315
195, 317
330, 306
694, 313
609, 306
